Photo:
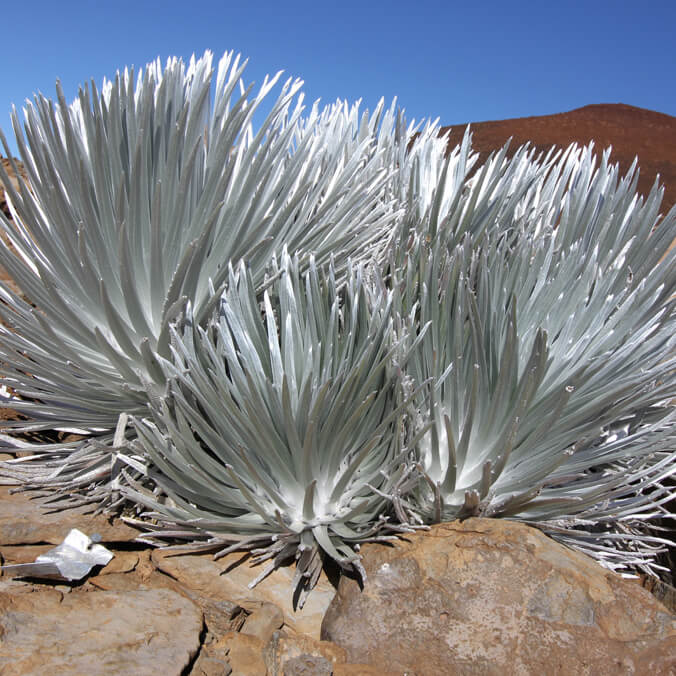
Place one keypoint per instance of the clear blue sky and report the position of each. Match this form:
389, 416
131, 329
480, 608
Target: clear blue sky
461, 62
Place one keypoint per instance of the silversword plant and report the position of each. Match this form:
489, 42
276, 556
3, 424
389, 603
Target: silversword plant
280, 431
551, 357
438, 339
137, 199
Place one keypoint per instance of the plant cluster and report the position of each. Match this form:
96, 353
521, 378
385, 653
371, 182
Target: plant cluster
322, 332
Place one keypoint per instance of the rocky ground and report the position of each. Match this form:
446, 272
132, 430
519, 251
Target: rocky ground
145, 612
482, 596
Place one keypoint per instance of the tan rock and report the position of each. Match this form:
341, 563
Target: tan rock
121, 582
287, 655
494, 597
97, 633
353, 669
663, 592
122, 562
229, 577
220, 615
132, 581
307, 665
244, 653
11, 585
145, 566
26, 521
263, 622
13, 554
210, 666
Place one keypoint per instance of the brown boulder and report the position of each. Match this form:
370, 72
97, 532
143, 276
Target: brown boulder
493, 597
244, 654
221, 616
361, 670
296, 655
263, 622
144, 632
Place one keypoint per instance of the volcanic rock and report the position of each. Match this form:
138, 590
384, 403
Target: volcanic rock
297, 655
488, 596
229, 578
136, 633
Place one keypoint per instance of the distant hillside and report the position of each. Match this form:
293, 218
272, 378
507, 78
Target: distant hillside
630, 131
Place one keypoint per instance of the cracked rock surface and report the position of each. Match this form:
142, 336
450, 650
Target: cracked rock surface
147, 612
481, 596
491, 596
97, 633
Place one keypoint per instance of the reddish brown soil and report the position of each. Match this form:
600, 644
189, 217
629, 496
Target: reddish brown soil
629, 130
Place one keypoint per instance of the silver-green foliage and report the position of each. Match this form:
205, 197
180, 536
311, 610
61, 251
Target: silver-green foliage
139, 196
137, 199
552, 357
501, 343
280, 431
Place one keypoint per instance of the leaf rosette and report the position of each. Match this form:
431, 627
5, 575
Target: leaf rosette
280, 430
551, 353
138, 197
